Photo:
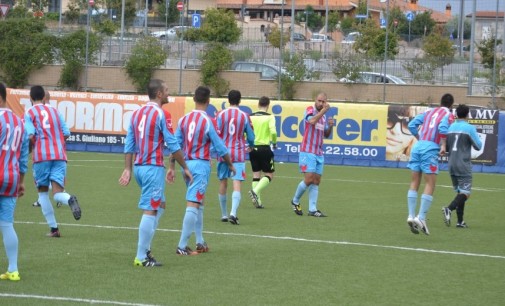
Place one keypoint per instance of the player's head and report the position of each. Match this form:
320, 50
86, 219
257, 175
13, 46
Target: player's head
157, 90
202, 95
37, 93
447, 100
462, 111
47, 96
264, 102
234, 97
321, 100
3, 93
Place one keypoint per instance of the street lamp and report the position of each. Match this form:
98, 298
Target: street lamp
90, 4
385, 52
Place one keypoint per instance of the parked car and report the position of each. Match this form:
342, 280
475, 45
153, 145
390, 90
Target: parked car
268, 72
351, 38
299, 37
320, 37
374, 77
170, 34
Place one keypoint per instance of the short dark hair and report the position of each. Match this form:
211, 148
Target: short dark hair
462, 111
37, 93
234, 97
154, 86
3, 92
202, 95
447, 100
264, 101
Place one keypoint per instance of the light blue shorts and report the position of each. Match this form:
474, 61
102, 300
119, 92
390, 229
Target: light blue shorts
47, 171
462, 184
310, 163
151, 180
7, 206
223, 171
424, 159
200, 169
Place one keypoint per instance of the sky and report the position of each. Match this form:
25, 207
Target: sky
482, 5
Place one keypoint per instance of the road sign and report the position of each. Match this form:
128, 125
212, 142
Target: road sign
180, 6
410, 16
4, 9
383, 22
196, 21
361, 16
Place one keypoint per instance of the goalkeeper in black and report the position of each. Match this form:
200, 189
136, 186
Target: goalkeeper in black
461, 138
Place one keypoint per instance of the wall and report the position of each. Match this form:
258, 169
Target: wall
114, 79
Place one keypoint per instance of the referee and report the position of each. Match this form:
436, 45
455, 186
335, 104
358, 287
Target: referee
262, 156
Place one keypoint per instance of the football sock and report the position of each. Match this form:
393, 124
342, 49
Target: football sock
47, 209
425, 205
160, 213
460, 211
412, 203
145, 235
11, 244
458, 200
222, 203
263, 183
199, 225
235, 202
61, 197
255, 183
313, 194
300, 190
188, 226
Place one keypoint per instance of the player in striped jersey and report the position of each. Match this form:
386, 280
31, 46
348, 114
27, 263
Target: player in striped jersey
47, 132
232, 124
147, 134
461, 137
262, 156
196, 134
431, 129
13, 166
311, 159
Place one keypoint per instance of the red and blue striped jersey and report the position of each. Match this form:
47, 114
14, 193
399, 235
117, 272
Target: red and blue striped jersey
434, 124
196, 134
13, 152
232, 124
313, 135
147, 134
49, 130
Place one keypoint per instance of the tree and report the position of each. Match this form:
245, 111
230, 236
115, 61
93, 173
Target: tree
147, 55
452, 27
275, 38
438, 51
372, 41
423, 24
486, 49
173, 12
220, 30
73, 52
333, 19
24, 47
129, 12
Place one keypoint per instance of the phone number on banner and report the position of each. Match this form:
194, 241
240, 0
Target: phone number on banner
344, 151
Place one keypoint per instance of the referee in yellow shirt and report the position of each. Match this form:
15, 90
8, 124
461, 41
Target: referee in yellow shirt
262, 156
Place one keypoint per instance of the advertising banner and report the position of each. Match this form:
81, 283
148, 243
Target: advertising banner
361, 131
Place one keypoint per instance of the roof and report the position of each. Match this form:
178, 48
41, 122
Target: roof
487, 14
439, 17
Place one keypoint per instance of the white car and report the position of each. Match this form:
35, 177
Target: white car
170, 34
374, 77
320, 37
351, 38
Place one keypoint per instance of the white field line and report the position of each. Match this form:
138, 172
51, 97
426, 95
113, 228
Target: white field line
488, 189
68, 299
287, 238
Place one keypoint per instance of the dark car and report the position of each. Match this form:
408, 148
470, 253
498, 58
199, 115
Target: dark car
299, 37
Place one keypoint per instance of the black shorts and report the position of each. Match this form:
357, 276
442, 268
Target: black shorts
262, 159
